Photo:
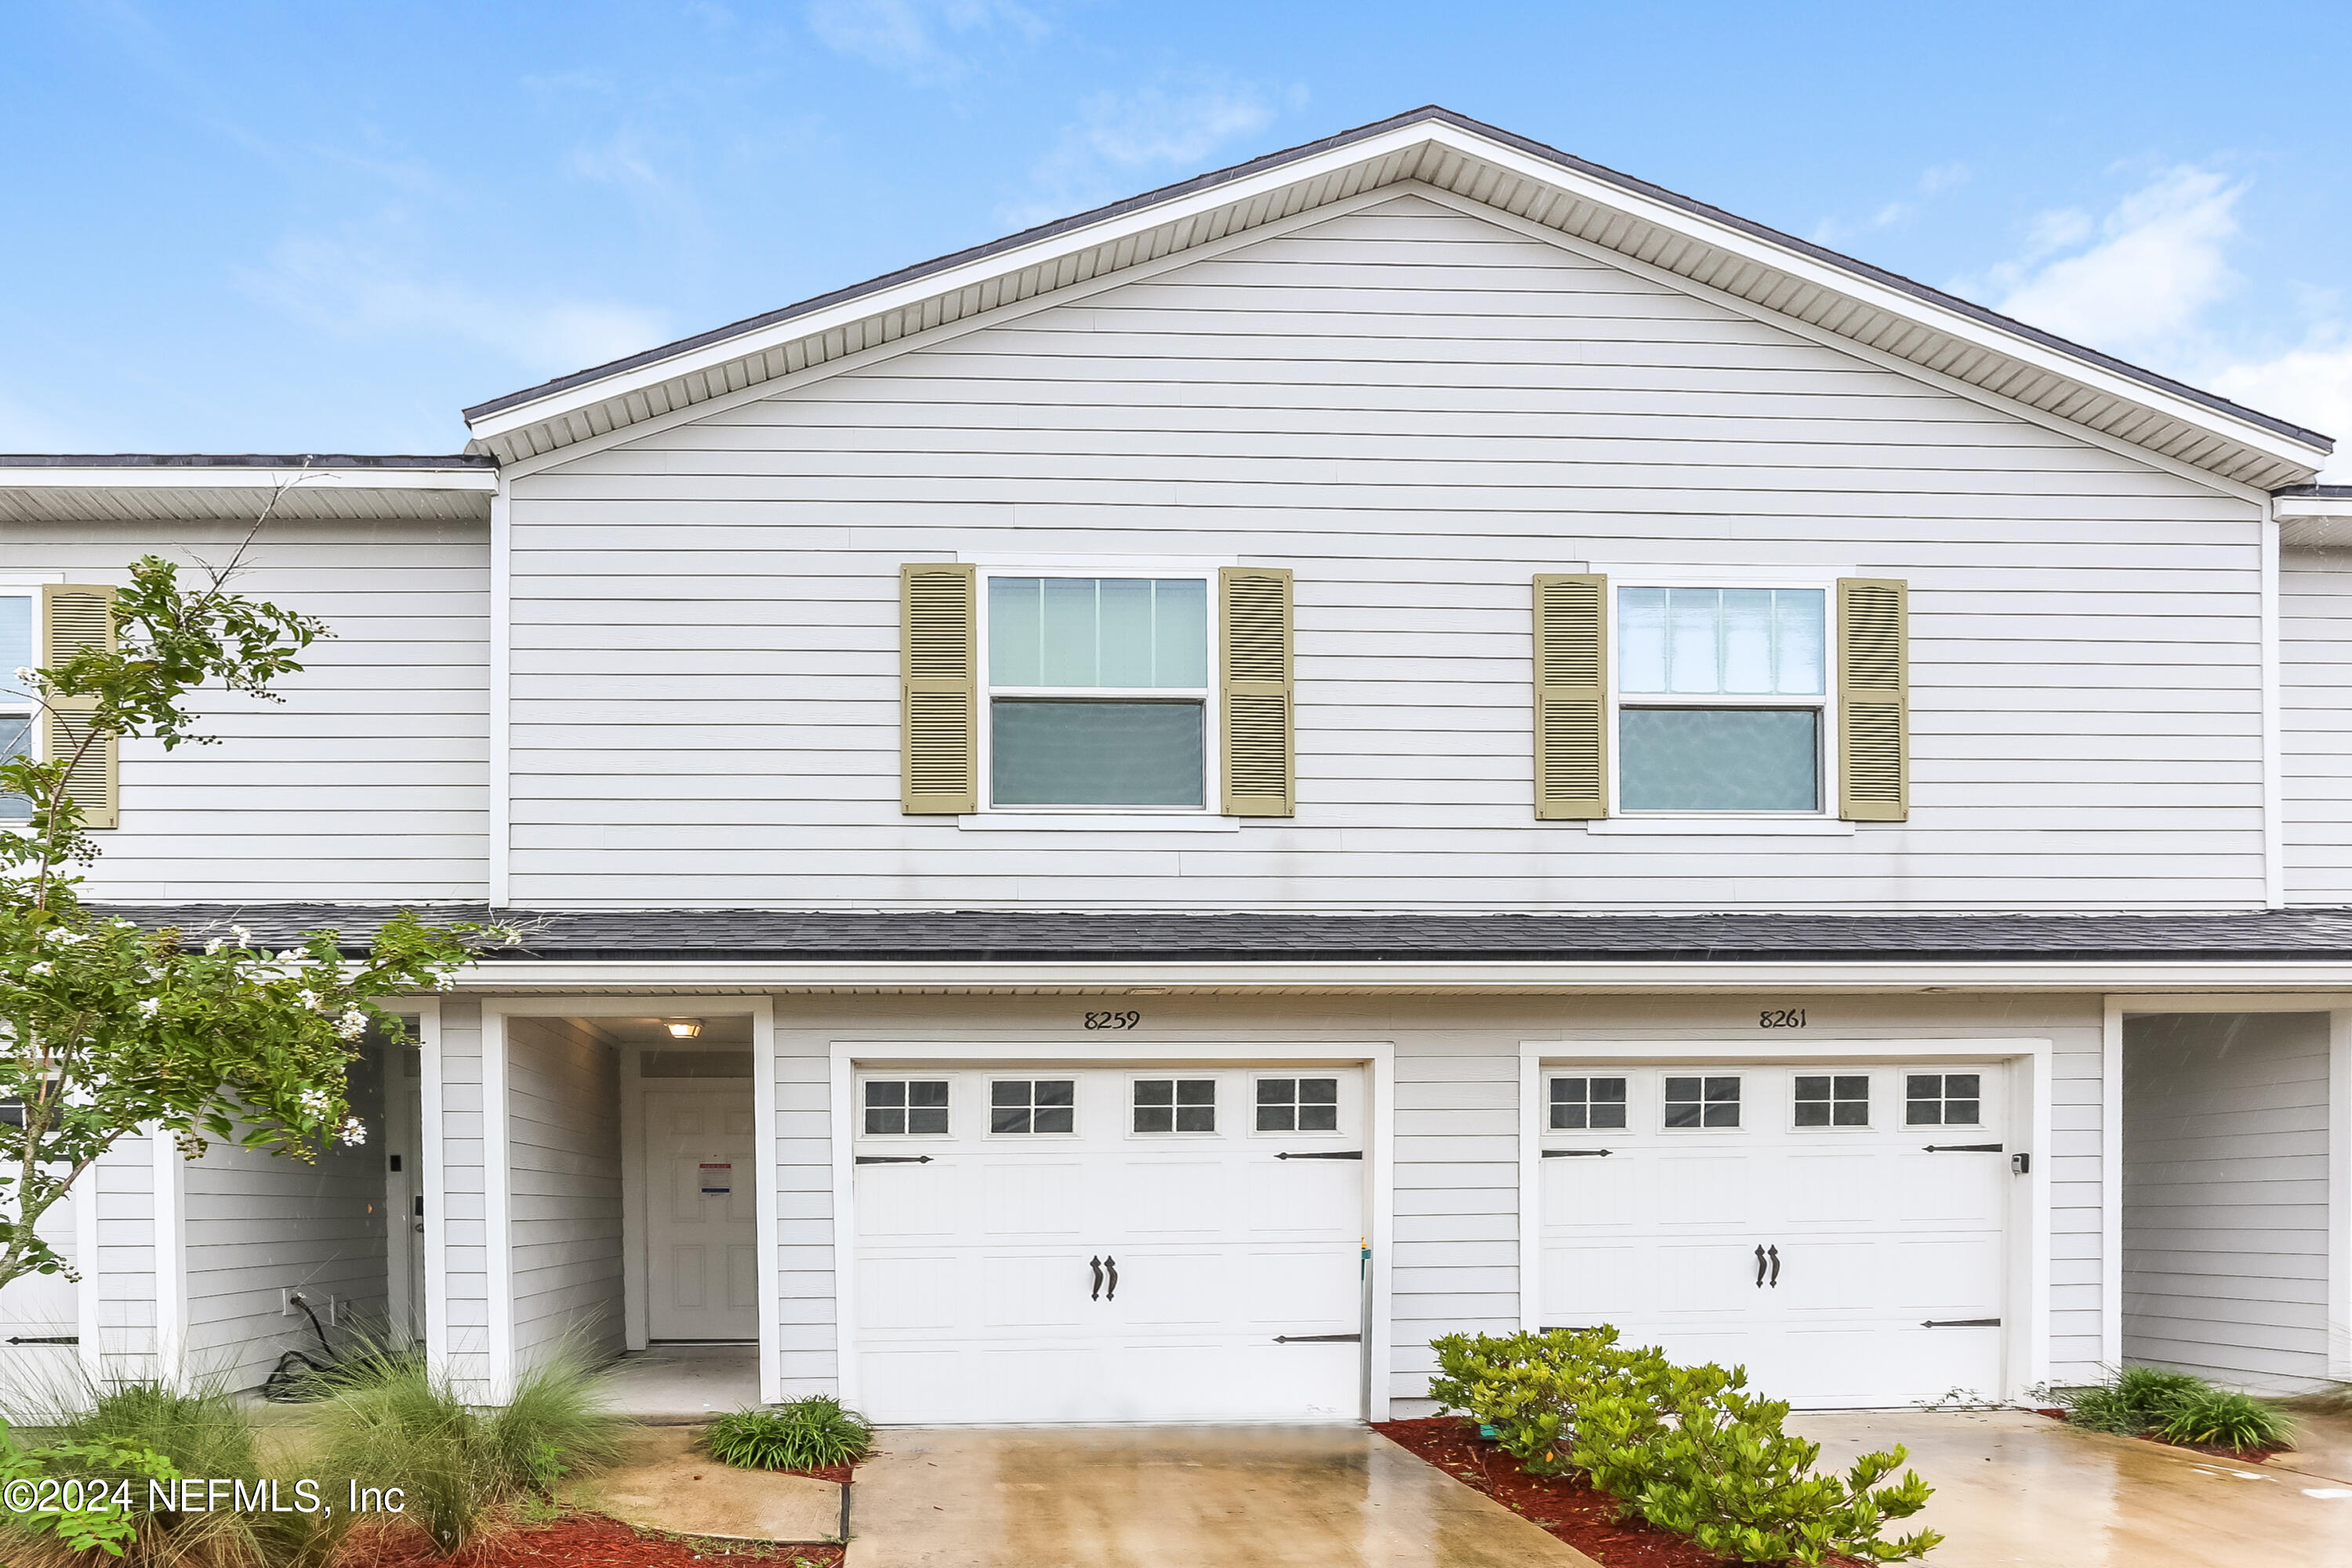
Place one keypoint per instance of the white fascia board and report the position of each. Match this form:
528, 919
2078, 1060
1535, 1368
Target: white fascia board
2137, 976
1734, 241
2312, 509
228, 479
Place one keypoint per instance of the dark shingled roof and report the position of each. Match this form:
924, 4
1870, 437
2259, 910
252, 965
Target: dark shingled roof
1010, 936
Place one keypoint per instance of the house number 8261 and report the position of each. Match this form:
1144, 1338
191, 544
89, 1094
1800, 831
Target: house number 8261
1780, 1018
1113, 1020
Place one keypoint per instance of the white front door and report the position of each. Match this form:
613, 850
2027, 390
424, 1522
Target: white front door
1837, 1230
702, 1231
1132, 1244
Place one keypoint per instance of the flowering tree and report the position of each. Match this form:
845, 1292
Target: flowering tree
107, 1030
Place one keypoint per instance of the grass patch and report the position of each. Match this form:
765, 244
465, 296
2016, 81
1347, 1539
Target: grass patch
804, 1435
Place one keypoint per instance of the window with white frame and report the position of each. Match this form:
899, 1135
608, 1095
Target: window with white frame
1097, 691
16, 710
1721, 699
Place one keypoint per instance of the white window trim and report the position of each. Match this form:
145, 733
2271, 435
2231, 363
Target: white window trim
1204, 817
1823, 821
1833, 1127
28, 587
1216, 1106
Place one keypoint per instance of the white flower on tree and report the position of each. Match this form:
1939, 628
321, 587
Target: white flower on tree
352, 1025
352, 1133
150, 1006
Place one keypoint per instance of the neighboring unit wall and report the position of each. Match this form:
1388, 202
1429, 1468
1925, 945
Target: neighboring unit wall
2225, 1196
458, 1315
123, 1184
564, 1158
2316, 722
259, 1224
371, 782
1416, 409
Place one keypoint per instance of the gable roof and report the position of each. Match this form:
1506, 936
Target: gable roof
1435, 148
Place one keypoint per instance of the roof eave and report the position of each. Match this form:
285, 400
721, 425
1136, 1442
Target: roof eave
2248, 446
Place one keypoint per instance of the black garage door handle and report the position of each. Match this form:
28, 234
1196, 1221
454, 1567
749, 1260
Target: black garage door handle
1096, 1264
1111, 1264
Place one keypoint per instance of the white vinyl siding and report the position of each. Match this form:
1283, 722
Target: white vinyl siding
1415, 410
463, 1333
2225, 1196
259, 1225
563, 1155
371, 782
2316, 722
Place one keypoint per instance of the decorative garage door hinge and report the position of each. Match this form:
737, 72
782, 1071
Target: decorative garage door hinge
1963, 1148
894, 1159
1325, 1155
39, 1340
1576, 1154
1319, 1338
1962, 1323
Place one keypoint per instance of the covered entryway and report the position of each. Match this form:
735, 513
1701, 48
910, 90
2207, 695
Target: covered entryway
1837, 1229
1138, 1243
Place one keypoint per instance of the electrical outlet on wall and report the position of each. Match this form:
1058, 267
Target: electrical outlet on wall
286, 1300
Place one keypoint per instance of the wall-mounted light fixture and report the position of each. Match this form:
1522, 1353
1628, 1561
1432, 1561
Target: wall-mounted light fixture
685, 1028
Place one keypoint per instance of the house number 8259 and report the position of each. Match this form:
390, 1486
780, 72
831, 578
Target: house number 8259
1113, 1020
1780, 1018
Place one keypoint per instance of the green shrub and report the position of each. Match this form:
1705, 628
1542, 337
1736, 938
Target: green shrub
804, 1435
393, 1422
2177, 1407
1688, 1448
2228, 1420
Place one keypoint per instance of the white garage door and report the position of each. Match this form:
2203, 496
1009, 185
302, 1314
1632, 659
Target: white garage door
1837, 1230
1137, 1244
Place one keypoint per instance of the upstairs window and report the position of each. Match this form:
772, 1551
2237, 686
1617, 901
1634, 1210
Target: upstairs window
16, 710
1721, 694
1097, 691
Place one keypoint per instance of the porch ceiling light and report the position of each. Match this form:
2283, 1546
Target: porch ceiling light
685, 1028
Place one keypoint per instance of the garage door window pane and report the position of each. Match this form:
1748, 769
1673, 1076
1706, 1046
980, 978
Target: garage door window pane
1176, 1105
1578, 1103
1032, 1105
1832, 1101
1048, 753
1943, 1099
1299, 1105
906, 1106
1719, 759
1701, 1101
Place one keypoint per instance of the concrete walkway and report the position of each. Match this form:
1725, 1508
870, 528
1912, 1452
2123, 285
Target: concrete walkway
673, 1384
2016, 1488
1176, 1497
664, 1483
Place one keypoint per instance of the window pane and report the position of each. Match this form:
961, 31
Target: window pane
1155, 1091
1094, 754
1693, 619
1015, 630
1126, 631
1719, 758
885, 1120
1962, 1085
1196, 1091
1276, 1118
1923, 1113
1008, 1119
1812, 1113
1747, 640
1922, 1086
932, 1092
1797, 631
1068, 656
923, 1119
1569, 1116
1054, 1092
1318, 1119
1005, 1091
16, 741
886, 1094
1960, 1113
1318, 1091
1179, 632
1196, 1119
1155, 1118
1641, 639
1681, 1113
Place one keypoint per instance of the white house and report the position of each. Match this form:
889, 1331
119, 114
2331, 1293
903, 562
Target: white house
1412, 735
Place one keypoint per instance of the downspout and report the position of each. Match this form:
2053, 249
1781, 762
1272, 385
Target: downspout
2274, 779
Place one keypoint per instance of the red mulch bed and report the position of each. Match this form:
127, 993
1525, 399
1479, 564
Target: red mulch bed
2240, 1456
1566, 1506
576, 1541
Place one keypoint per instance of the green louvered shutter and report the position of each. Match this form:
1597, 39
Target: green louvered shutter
1571, 697
75, 617
1254, 691
938, 686
1873, 699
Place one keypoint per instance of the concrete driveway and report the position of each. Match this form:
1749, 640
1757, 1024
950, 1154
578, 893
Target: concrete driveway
1176, 1497
2016, 1488
2011, 1488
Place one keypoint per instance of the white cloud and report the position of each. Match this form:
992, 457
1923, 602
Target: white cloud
924, 40
1932, 182
2156, 263
348, 286
1121, 140
2311, 385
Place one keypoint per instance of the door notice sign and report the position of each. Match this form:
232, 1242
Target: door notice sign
718, 1181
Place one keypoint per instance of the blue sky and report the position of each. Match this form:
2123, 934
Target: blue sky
328, 227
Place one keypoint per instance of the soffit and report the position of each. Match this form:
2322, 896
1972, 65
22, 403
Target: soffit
196, 488
1445, 152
